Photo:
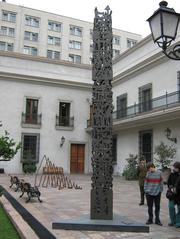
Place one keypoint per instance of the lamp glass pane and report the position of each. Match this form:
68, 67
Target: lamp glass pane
155, 25
170, 22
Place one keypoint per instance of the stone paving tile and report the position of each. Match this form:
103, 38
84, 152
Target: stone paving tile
67, 204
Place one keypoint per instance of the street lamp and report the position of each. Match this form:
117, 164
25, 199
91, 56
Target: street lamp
62, 141
164, 24
168, 135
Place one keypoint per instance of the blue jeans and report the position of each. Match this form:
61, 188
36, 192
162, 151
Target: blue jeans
174, 216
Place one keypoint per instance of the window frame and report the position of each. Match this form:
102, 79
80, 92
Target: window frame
30, 49
53, 53
76, 30
74, 58
9, 16
53, 24
32, 22
8, 46
37, 147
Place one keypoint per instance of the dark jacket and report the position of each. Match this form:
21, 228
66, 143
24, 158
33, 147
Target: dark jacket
174, 181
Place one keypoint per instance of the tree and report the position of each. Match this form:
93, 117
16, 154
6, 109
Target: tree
165, 154
130, 171
8, 147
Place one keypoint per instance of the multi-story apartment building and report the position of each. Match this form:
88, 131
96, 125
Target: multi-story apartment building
46, 105
38, 33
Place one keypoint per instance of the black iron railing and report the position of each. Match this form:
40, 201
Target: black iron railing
158, 103
31, 118
64, 121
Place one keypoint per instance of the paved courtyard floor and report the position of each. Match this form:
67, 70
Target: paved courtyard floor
71, 203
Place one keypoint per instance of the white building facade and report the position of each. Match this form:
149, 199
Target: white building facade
44, 100
44, 34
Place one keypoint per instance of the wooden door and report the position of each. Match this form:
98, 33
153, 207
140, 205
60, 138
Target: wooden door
77, 158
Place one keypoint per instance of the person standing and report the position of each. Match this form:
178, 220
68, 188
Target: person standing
141, 172
153, 187
173, 184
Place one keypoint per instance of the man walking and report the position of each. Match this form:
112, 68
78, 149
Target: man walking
141, 172
153, 187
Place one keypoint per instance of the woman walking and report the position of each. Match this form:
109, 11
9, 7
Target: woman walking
174, 186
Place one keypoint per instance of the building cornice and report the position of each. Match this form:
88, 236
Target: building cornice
44, 59
142, 66
44, 81
133, 49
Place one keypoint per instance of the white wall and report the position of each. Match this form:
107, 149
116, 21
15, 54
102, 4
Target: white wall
12, 99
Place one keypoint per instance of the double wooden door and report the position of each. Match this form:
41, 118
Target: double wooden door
77, 158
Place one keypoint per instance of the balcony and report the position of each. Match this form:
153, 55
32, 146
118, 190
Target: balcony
64, 123
159, 109
31, 121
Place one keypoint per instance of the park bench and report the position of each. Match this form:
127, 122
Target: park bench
30, 190
17, 182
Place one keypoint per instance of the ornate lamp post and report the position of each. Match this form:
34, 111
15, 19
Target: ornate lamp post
164, 25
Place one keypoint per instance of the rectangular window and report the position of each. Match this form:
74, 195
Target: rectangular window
30, 50
146, 145
54, 26
54, 40
30, 147
2, 46
145, 98
131, 43
53, 54
122, 106
31, 36
64, 114
8, 16
31, 111
75, 58
116, 53
116, 40
32, 21
7, 31
75, 45
5, 46
77, 31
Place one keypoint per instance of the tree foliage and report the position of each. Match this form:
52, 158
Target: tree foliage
8, 147
130, 171
165, 153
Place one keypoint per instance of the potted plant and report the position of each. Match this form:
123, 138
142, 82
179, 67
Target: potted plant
165, 155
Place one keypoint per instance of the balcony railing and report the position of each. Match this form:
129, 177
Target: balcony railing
34, 119
162, 102
63, 121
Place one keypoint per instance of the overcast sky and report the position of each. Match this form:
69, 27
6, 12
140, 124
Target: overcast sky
128, 15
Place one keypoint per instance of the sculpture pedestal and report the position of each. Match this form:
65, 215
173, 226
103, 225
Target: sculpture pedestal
84, 223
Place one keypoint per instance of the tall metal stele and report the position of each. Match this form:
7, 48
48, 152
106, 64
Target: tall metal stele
101, 191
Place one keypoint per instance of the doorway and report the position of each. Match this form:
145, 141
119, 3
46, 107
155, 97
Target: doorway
77, 158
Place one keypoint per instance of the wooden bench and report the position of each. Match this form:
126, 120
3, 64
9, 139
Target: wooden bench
31, 191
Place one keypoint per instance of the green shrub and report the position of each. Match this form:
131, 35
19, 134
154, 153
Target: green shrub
166, 154
130, 171
29, 167
8, 147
